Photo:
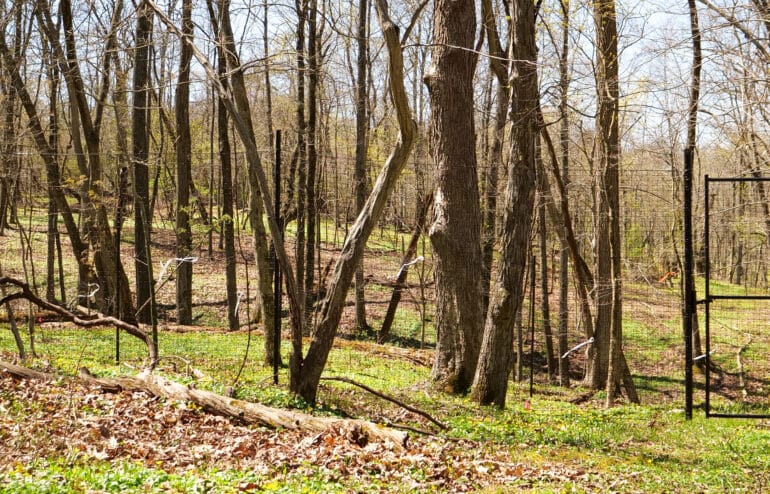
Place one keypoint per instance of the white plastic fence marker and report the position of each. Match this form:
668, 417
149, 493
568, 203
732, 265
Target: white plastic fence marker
701, 357
238, 303
578, 347
408, 264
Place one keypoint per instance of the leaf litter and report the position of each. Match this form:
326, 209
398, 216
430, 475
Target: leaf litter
69, 419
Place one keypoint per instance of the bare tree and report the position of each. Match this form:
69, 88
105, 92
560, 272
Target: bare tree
183, 174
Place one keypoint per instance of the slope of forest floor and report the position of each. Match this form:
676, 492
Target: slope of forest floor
65, 436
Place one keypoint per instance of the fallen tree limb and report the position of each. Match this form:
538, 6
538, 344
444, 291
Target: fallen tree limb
250, 413
20, 372
388, 398
26, 293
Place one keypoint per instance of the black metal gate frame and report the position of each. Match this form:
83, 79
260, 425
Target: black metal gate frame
708, 298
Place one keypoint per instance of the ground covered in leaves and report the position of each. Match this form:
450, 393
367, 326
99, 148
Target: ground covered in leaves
131, 441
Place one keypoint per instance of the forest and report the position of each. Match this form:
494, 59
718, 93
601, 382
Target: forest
384, 246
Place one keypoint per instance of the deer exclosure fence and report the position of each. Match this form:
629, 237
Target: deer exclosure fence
736, 240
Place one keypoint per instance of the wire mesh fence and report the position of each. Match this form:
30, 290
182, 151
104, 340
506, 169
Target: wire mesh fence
651, 294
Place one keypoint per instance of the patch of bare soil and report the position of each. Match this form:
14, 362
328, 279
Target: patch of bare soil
74, 421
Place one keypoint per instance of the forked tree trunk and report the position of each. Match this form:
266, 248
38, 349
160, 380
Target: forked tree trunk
499, 62
491, 380
456, 226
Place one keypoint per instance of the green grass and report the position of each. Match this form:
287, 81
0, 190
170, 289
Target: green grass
645, 448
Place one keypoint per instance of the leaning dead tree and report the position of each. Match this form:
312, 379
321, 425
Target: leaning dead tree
25, 292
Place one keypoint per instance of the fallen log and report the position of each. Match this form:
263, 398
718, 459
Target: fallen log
247, 412
20, 372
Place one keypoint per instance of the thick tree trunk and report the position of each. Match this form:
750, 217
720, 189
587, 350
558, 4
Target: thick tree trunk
491, 379
184, 271
456, 227
608, 362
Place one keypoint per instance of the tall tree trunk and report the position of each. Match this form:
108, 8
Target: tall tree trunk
499, 62
299, 247
362, 127
312, 155
564, 83
456, 225
692, 123
353, 248
542, 233
53, 141
140, 153
608, 336
491, 379
184, 271
257, 194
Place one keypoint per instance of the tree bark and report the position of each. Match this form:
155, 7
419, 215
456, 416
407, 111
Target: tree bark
499, 62
140, 154
564, 83
312, 157
362, 127
184, 271
608, 335
456, 226
491, 379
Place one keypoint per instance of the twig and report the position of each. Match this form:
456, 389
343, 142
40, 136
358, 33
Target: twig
379, 394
